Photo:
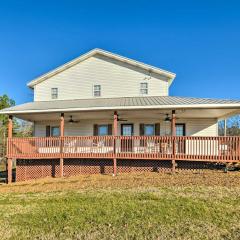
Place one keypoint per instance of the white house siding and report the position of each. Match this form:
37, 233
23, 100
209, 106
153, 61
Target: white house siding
117, 79
194, 127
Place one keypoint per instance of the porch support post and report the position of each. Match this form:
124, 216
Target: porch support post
10, 126
225, 127
62, 125
173, 126
9, 167
115, 125
61, 167
9, 161
61, 143
173, 132
115, 132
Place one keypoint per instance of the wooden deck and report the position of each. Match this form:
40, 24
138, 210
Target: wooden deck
188, 148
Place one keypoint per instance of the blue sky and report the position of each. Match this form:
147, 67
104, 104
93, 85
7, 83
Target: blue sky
198, 40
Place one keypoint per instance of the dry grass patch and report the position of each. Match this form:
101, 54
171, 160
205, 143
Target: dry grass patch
125, 181
129, 206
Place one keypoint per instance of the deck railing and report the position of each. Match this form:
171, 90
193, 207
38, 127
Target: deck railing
218, 149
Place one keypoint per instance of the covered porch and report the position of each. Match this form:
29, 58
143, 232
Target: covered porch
153, 134
120, 129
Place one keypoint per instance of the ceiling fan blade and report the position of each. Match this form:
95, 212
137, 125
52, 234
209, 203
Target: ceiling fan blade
71, 120
122, 120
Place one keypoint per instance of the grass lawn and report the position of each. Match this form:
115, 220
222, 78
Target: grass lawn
138, 206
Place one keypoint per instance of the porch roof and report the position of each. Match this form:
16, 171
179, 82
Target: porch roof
151, 102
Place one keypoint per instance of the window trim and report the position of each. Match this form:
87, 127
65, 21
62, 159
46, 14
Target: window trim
100, 90
143, 88
54, 93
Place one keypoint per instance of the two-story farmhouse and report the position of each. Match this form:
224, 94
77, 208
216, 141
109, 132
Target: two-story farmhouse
104, 113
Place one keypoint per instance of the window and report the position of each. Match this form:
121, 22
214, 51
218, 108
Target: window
55, 131
149, 130
102, 130
127, 129
144, 88
97, 90
54, 93
180, 129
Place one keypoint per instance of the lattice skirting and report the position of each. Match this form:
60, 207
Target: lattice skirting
40, 168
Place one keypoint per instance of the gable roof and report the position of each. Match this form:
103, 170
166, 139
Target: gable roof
157, 102
95, 51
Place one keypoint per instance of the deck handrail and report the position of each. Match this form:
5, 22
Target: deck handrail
198, 148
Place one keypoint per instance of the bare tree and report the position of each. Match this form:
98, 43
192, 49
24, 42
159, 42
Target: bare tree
232, 126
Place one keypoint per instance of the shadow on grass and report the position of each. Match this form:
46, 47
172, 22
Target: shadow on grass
3, 176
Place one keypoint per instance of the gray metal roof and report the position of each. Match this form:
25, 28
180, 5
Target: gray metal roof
122, 103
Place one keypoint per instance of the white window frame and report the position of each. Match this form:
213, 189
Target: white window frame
144, 89
97, 90
54, 93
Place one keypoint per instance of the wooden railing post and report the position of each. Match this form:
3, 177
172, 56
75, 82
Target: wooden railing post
173, 123
115, 132
173, 131
62, 125
61, 144
10, 126
9, 167
9, 161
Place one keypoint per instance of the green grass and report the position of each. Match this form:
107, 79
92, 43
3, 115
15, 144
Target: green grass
153, 206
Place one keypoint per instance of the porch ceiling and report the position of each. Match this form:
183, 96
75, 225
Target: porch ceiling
156, 114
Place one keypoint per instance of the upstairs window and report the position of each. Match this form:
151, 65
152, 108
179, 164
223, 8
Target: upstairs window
144, 88
54, 93
97, 90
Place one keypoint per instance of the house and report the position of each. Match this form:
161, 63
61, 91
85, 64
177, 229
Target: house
104, 113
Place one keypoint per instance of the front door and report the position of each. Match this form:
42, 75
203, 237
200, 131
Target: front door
126, 144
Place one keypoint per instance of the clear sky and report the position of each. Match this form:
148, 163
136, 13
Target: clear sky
198, 40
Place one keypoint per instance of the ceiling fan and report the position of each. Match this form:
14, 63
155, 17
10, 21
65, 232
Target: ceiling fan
167, 117
121, 119
71, 120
